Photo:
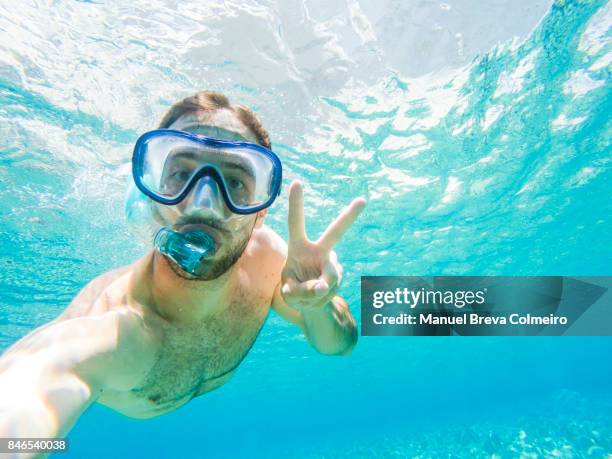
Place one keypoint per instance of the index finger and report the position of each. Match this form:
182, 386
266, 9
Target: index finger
297, 232
338, 227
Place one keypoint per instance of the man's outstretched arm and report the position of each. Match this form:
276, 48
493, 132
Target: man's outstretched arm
49, 377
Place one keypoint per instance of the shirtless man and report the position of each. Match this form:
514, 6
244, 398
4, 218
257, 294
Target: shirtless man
146, 338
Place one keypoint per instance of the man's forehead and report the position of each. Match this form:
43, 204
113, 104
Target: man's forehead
221, 124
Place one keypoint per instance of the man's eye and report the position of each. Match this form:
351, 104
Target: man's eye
235, 184
179, 175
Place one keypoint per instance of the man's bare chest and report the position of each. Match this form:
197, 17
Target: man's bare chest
197, 358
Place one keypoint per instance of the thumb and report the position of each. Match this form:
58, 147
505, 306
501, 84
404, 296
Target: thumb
304, 290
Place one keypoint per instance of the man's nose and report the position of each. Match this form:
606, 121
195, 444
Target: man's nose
205, 193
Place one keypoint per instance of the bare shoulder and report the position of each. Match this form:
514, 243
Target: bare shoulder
266, 255
106, 331
103, 280
270, 241
84, 301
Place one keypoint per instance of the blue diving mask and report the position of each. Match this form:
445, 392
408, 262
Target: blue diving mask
167, 164
217, 179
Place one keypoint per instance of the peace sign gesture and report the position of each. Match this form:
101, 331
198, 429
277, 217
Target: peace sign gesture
312, 273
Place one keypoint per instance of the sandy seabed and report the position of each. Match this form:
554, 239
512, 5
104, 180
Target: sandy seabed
568, 426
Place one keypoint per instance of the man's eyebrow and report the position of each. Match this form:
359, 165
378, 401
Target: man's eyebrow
244, 166
191, 154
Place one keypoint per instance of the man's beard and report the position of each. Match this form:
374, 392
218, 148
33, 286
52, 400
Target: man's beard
219, 267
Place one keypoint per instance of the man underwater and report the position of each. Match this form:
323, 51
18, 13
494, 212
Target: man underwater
146, 338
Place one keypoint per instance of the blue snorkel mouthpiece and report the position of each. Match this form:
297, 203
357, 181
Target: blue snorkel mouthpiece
188, 250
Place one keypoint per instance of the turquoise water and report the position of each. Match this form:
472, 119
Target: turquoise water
480, 137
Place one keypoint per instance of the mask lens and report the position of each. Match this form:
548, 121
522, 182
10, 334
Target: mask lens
246, 175
167, 165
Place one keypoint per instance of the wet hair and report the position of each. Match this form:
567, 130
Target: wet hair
210, 101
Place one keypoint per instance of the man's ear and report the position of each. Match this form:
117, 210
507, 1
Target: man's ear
260, 218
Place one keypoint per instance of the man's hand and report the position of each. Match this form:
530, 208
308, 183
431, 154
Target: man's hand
312, 273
